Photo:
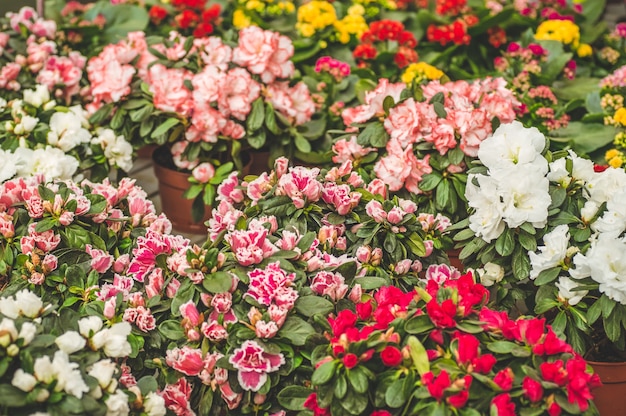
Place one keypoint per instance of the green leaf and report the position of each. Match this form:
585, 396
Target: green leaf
505, 244
311, 305
218, 282
502, 347
358, 379
606, 305
395, 396
341, 387
419, 356
418, 324
547, 276
324, 373
430, 181
256, 116
293, 397
302, 144
520, 263
296, 330
147, 384
374, 134
164, 127
171, 330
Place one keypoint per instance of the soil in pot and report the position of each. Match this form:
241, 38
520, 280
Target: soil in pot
172, 186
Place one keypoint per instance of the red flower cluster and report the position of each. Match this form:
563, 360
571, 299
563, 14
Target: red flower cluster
189, 16
455, 32
383, 31
450, 7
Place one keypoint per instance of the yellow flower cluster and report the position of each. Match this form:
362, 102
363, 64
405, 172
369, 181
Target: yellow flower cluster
353, 24
564, 31
619, 117
241, 18
386, 4
615, 158
419, 72
315, 16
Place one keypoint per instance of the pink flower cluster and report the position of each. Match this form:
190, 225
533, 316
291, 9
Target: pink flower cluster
334, 67
617, 79
468, 110
61, 74
226, 83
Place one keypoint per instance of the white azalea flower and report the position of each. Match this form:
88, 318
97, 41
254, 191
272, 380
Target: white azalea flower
70, 342
23, 380
605, 263
29, 304
103, 371
89, 326
66, 131
582, 169
512, 145
558, 173
566, 286
51, 162
490, 274
9, 307
603, 185
37, 97
8, 331
525, 196
613, 220
43, 369
114, 340
486, 221
27, 332
117, 404
154, 405
117, 150
68, 375
552, 253
8, 167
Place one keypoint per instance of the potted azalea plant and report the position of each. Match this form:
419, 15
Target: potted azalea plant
547, 227
207, 100
438, 349
422, 139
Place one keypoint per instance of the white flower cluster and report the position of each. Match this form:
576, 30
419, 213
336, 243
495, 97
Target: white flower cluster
66, 130
515, 189
605, 260
58, 370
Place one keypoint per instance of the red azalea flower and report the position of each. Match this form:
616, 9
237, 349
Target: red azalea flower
467, 348
484, 363
458, 400
345, 319
391, 356
157, 14
554, 409
504, 405
186, 19
191, 4
531, 330
211, 14
504, 379
380, 413
532, 389
364, 310
350, 360
442, 315
311, 404
203, 29
405, 57
450, 7
365, 51
497, 36
436, 385
579, 382
600, 168
551, 345
554, 372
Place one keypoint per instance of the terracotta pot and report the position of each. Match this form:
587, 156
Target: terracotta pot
611, 396
172, 185
255, 162
453, 256
146, 151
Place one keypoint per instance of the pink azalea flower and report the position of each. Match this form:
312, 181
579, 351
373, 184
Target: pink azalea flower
301, 185
187, 360
250, 246
253, 364
265, 283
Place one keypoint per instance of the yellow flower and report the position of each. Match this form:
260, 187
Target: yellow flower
356, 10
564, 31
240, 20
255, 5
620, 116
420, 71
584, 50
614, 157
350, 25
315, 15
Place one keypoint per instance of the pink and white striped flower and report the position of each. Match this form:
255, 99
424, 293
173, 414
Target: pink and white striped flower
253, 364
